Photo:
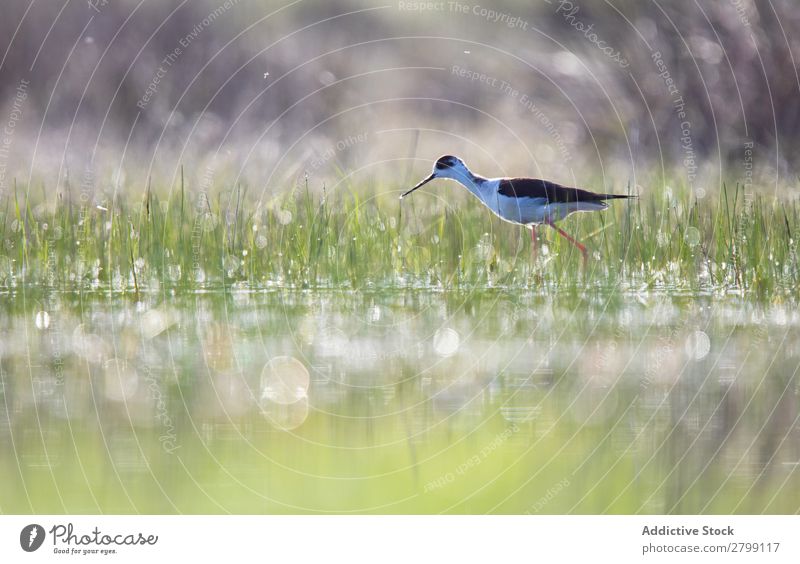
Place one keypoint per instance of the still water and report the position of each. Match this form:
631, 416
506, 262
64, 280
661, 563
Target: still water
397, 402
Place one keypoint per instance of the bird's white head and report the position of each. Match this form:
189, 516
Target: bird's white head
446, 167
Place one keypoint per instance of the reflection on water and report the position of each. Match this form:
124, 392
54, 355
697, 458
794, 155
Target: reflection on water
397, 402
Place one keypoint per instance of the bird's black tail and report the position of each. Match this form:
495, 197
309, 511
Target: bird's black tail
616, 196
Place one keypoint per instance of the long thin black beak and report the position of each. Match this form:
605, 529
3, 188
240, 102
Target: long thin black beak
431, 177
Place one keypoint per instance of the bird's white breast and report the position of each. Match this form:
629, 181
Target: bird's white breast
528, 211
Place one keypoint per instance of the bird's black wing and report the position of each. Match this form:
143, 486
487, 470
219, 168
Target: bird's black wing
552, 192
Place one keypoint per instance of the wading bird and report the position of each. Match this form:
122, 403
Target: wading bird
524, 201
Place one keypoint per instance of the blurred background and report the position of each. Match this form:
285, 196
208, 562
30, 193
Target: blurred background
266, 92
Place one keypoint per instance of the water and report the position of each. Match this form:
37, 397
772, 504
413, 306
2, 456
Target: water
406, 401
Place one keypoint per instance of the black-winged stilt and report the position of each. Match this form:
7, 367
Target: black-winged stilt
524, 201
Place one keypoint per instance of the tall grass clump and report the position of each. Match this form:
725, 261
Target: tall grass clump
350, 240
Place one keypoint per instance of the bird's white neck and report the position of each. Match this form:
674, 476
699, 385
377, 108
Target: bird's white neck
476, 184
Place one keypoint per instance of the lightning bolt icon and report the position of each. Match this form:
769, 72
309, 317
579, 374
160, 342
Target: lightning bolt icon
34, 534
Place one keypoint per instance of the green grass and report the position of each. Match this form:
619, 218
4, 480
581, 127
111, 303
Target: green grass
440, 239
394, 426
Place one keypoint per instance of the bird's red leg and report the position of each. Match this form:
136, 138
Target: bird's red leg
570, 239
534, 241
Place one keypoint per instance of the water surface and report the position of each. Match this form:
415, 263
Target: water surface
397, 401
